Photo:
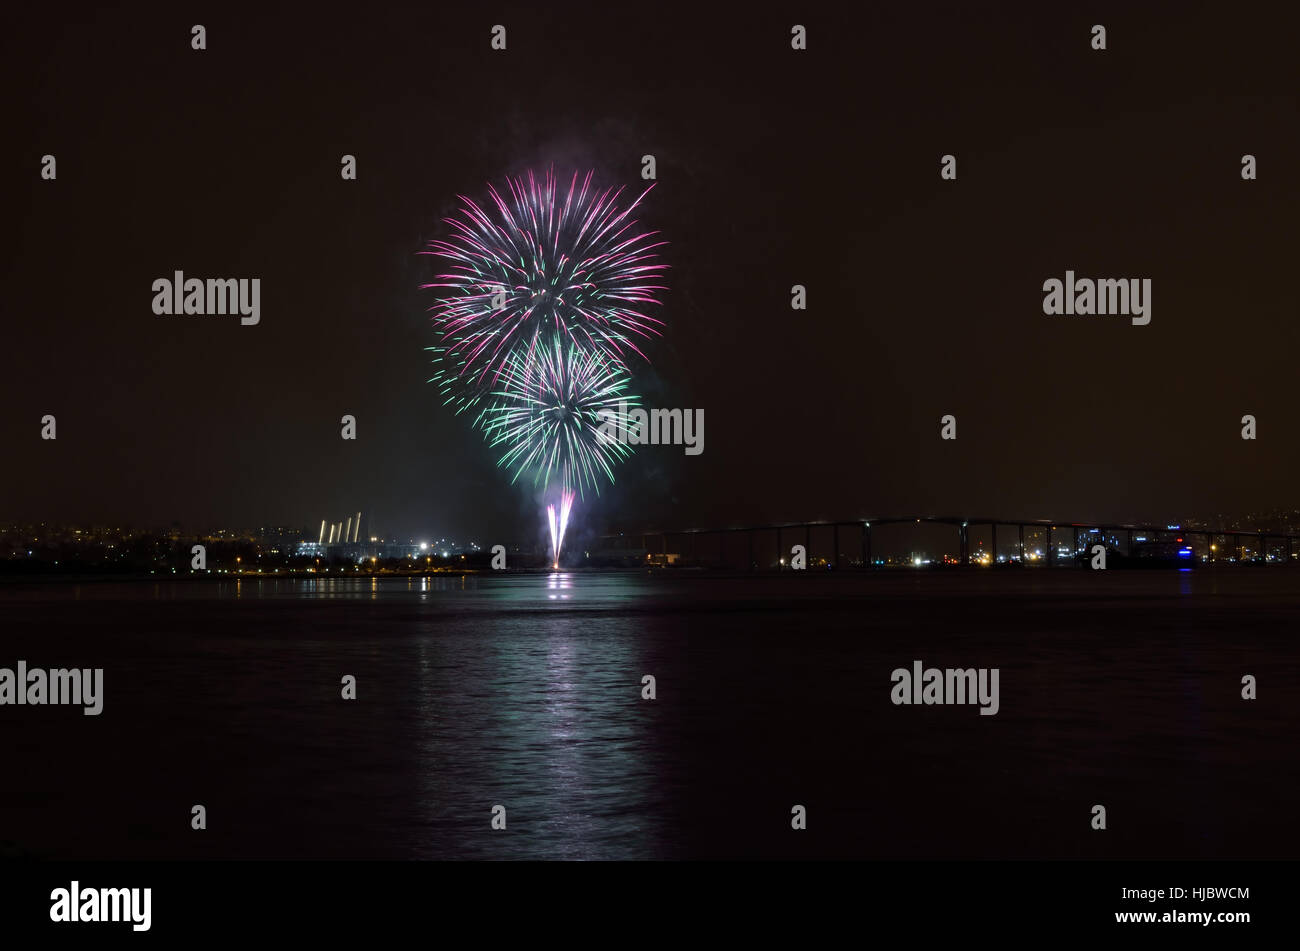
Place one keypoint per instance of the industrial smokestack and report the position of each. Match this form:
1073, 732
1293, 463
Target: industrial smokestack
356, 531
331, 534
347, 531
321, 540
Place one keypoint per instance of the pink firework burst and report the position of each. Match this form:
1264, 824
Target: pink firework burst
538, 259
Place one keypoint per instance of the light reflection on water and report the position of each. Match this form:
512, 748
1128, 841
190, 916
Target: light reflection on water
525, 690
559, 585
544, 706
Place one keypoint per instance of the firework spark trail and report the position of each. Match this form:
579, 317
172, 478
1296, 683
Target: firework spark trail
570, 264
557, 540
555, 545
566, 503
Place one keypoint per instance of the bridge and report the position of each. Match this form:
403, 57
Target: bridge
853, 538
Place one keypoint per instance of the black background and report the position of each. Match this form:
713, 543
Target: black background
775, 167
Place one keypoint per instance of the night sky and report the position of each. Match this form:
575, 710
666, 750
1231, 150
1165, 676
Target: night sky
775, 167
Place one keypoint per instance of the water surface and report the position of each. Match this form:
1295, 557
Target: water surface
1122, 688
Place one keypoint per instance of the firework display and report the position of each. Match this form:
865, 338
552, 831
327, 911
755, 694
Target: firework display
544, 302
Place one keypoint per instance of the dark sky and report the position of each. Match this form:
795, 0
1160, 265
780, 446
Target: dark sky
775, 167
